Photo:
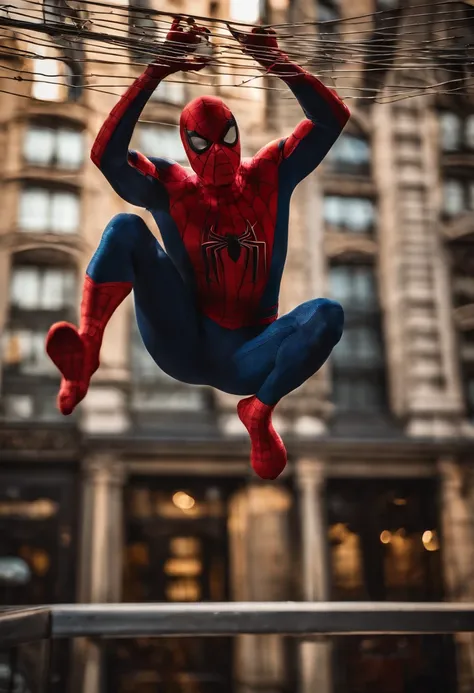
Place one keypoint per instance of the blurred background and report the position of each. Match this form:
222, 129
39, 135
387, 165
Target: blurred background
145, 493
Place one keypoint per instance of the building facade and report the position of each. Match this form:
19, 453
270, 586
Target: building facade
145, 494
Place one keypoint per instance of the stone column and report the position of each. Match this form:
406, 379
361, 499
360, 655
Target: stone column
100, 554
414, 288
458, 555
260, 555
315, 654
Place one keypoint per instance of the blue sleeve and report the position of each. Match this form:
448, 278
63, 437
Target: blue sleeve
134, 177
326, 116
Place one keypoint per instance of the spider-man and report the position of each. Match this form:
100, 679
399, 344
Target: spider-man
207, 307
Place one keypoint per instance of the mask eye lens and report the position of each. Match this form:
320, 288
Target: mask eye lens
198, 143
230, 137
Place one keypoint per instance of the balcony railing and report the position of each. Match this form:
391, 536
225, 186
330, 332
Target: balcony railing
26, 633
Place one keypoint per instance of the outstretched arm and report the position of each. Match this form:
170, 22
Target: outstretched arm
326, 115
134, 177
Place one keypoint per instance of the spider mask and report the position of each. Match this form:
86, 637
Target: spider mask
211, 140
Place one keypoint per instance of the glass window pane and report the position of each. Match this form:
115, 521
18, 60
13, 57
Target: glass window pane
327, 12
58, 289
453, 197
367, 396
469, 132
69, 288
65, 212
39, 145
18, 406
24, 291
333, 210
342, 353
357, 395
451, 131
47, 79
471, 194
340, 280
70, 148
360, 214
40, 362
34, 209
170, 92
350, 150
368, 344
161, 141
364, 288
51, 289
351, 284
341, 393
350, 213
25, 350
143, 368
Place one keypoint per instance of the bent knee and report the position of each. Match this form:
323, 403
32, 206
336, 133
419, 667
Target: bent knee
126, 229
331, 314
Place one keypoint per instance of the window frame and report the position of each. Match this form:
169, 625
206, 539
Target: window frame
466, 185
331, 227
169, 127
367, 371
51, 191
56, 128
340, 166
465, 122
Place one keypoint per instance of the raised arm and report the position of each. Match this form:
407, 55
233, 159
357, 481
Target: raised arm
326, 115
134, 177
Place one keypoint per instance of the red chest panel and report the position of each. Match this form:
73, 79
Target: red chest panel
229, 237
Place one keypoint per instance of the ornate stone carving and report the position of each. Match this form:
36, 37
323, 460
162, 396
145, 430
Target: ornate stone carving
38, 439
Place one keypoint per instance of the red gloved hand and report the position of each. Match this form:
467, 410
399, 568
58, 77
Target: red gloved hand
261, 44
180, 43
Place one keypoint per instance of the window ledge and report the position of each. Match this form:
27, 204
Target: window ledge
337, 243
365, 425
17, 240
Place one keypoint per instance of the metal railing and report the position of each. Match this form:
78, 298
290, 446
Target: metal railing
234, 618
22, 628
20, 625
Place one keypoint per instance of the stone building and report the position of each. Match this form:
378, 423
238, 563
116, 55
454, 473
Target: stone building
145, 494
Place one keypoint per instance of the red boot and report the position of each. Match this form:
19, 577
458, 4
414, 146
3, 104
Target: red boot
268, 454
76, 352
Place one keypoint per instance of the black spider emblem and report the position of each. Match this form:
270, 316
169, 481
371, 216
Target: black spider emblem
247, 241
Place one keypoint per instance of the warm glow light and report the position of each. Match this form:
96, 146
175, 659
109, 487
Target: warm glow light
400, 501
183, 500
430, 540
188, 567
385, 537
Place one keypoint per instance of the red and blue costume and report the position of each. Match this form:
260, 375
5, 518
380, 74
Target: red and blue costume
207, 304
